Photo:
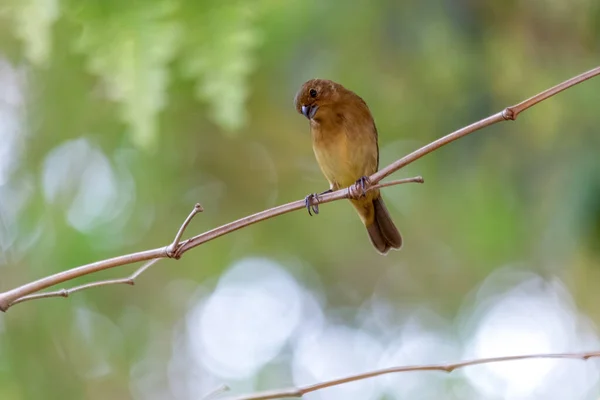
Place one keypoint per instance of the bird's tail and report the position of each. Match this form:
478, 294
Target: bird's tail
383, 233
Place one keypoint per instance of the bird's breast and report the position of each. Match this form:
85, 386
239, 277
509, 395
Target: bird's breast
344, 158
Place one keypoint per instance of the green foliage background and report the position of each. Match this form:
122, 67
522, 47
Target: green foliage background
191, 101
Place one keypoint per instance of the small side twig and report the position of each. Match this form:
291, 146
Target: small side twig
296, 392
416, 179
174, 246
130, 280
27, 291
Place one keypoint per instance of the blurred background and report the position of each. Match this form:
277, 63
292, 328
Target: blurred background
117, 116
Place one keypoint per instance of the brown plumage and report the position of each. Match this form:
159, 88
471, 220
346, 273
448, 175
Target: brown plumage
344, 139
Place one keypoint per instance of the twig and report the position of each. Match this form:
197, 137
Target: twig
302, 390
10, 297
173, 247
26, 292
510, 113
130, 280
416, 179
514, 111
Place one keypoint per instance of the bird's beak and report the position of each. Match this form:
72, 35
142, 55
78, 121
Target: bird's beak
310, 111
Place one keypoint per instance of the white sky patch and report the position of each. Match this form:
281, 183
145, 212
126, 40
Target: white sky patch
335, 352
246, 321
534, 316
12, 100
100, 338
416, 345
13, 195
79, 174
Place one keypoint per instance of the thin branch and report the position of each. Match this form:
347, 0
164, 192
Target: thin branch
393, 167
510, 113
26, 292
10, 297
302, 390
416, 179
172, 249
275, 211
130, 280
514, 111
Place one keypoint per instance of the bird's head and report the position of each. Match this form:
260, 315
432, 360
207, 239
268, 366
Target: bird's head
315, 95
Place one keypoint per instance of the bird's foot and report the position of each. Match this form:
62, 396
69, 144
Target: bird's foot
360, 188
311, 202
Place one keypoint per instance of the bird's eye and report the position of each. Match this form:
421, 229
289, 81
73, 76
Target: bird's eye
312, 92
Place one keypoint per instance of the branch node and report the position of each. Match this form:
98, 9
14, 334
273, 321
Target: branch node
179, 251
63, 293
509, 114
171, 250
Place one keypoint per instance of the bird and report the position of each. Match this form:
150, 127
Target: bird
345, 144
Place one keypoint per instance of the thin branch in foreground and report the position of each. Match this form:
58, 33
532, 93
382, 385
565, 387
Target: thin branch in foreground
10, 297
296, 392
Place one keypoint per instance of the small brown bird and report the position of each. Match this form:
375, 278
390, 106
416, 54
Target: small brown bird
344, 139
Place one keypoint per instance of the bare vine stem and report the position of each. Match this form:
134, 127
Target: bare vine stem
296, 392
177, 249
130, 280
